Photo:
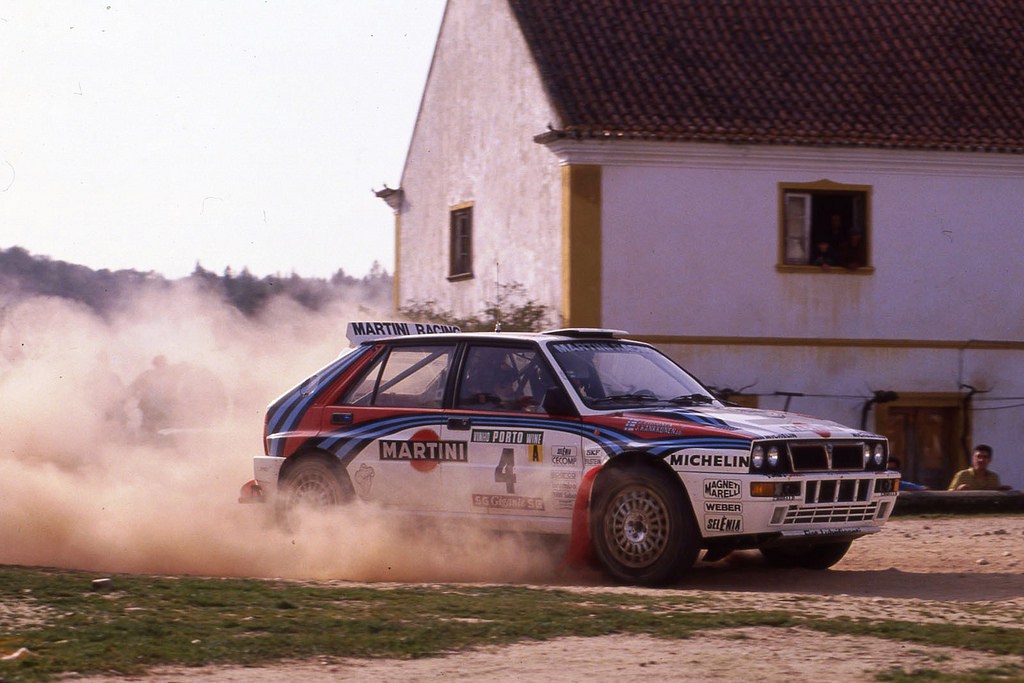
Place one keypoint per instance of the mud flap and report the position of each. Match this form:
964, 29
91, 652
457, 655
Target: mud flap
581, 552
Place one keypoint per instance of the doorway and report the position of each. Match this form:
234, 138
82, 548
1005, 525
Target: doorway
925, 433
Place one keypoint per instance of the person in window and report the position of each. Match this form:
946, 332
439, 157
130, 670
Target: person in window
978, 477
499, 392
824, 254
830, 249
853, 251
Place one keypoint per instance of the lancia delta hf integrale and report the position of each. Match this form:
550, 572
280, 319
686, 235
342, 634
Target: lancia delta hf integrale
575, 432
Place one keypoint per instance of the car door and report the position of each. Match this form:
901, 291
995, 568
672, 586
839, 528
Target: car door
386, 427
523, 464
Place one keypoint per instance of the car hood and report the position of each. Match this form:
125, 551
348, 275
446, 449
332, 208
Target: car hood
741, 422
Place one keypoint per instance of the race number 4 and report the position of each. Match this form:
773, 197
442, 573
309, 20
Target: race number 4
506, 470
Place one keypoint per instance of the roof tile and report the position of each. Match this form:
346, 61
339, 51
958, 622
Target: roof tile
939, 74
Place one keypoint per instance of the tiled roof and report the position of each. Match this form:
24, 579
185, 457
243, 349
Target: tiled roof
925, 74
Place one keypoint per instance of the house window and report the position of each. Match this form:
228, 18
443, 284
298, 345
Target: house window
825, 225
460, 255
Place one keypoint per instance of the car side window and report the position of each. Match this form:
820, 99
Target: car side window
408, 377
503, 379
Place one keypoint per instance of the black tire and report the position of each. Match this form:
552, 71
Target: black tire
315, 482
806, 556
641, 526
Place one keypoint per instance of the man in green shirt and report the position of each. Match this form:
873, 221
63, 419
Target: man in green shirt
978, 477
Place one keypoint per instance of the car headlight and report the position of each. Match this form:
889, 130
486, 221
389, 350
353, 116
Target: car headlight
867, 454
879, 454
757, 457
773, 456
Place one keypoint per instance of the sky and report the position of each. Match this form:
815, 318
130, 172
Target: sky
158, 134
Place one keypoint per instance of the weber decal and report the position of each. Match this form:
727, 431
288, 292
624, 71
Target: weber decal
723, 523
500, 502
721, 488
507, 437
722, 507
440, 451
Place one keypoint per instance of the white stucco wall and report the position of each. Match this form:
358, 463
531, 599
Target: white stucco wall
946, 242
473, 142
690, 247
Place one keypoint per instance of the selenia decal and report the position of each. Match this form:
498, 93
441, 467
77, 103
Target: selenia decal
720, 523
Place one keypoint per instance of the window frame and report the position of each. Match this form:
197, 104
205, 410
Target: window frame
788, 191
369, 390
460, 241
544, 377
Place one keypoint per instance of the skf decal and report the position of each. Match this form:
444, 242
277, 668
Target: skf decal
709, 460
714, 506
721, 488
507, 437
498, 502
593, 457
723, 523
364, 479
439, 451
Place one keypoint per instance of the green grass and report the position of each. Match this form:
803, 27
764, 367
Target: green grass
144, 622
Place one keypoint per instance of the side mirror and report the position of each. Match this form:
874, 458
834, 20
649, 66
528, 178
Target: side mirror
557, 402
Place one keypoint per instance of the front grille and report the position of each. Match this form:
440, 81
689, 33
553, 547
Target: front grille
832, 501
823, 456
847, 457
808, 457
830, 514
837, 490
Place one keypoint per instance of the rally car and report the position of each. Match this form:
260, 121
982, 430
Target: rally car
577, 432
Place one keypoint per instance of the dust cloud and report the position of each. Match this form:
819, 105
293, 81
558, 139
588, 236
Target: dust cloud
124, 442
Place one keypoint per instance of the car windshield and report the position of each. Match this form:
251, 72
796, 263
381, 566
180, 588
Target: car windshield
613, 374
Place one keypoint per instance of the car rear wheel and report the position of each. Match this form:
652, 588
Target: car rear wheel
315, 482
806, 556
642, 528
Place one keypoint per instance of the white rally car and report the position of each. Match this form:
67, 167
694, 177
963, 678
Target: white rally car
575, 432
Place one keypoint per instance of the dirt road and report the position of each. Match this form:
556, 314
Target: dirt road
967, 570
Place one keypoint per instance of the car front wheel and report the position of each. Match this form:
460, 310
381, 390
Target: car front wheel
642, 528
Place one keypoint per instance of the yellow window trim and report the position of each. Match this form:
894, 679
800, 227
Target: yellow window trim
581, 246
823, 185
